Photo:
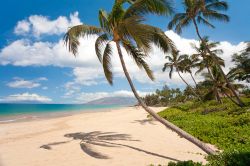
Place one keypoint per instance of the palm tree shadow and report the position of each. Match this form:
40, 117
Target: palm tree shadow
87, 140
48, 146
145, 121
103, 139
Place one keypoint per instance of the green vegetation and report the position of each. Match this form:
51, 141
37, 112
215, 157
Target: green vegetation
234, 158
224, 125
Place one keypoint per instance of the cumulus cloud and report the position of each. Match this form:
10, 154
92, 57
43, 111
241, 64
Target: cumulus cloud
86, 68
39, 25
27, 53
26, 97
87, 76
29, 84
22, 27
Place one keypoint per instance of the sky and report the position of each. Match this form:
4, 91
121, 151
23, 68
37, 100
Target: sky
35, 65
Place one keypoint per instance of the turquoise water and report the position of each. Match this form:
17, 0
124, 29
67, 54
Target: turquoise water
13, 112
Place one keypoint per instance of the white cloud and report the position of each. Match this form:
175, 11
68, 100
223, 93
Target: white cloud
29, 84
23, 84
230, 49
42, 79
87, 76
22, 27
40, 25
26, 97
26, 53
86, 67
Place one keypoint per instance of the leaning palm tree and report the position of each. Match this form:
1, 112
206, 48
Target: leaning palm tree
125, 27
190, 62
177, 62
202, 11
207, 61
214, 84
217, 86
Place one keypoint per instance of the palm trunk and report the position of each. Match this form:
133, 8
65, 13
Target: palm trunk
188, 85
193, 79
169, 125
231, 98
240, 103
218, 98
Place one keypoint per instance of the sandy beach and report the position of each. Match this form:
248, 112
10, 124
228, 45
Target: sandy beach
114, 138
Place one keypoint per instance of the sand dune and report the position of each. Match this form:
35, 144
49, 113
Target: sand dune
114, 138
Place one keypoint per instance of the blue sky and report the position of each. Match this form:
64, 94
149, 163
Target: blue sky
34, 65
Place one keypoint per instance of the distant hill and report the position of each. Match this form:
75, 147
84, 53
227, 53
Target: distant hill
114, 101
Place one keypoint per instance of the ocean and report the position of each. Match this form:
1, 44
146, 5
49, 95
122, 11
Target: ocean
22, 112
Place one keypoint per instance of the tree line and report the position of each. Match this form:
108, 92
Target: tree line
213, 87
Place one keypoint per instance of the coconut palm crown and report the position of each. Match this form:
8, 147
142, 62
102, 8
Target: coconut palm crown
199, 11
208, 60
124, 27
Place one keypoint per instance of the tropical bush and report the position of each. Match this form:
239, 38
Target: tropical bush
227, 126
234, 158
224, 125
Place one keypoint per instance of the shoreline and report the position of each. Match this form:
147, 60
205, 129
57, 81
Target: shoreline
26, 117
94, 138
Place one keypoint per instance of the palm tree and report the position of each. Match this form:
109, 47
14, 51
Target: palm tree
125, 27
217, 86
190, 62
176, 62
202, 11
241, 71
208, 60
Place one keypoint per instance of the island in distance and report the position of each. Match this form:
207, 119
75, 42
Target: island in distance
126, 101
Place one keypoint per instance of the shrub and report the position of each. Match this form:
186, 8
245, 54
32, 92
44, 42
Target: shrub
184, 163
229, 159
225, 125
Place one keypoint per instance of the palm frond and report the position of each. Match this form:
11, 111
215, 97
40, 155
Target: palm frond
217, 5
100, 42
103, 20
211, 14
138, 57
161, 40
131, 28
204, 21
176, 21
171, 71
107, 63
116, 13
71, 38
142, 7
